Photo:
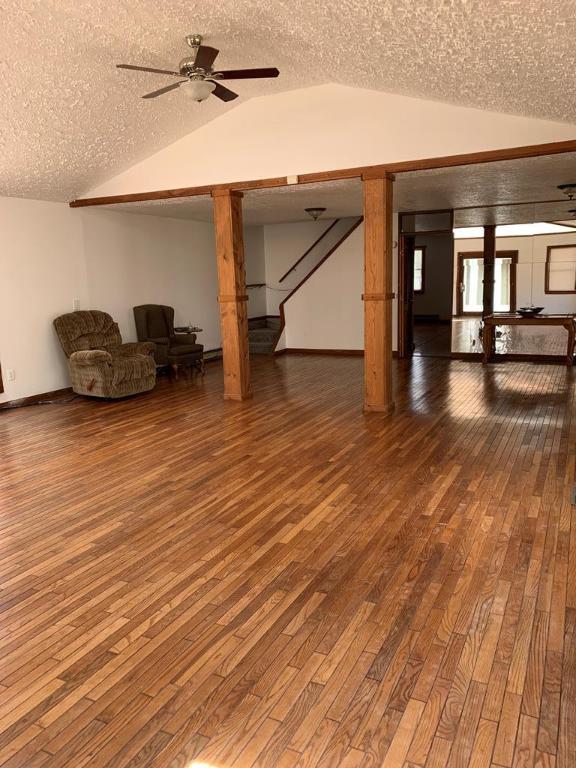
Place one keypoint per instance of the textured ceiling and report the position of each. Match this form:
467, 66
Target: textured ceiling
481, 194
70, 120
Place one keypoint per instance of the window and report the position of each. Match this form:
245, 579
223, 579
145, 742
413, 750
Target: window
419, 269
561, 269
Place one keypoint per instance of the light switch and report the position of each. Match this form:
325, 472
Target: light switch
76, 305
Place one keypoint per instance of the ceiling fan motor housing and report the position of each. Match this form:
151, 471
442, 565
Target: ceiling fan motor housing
188, 68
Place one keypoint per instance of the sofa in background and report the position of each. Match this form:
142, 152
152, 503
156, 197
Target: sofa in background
155, 323
100, 364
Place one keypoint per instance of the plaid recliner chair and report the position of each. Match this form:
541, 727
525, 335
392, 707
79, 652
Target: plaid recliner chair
100, 364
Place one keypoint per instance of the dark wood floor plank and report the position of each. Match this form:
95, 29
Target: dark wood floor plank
288, 582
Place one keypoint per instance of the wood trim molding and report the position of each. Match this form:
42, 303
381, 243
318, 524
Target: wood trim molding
329, 352
35, 399
378, 296
226, 192
311, 351
369, 171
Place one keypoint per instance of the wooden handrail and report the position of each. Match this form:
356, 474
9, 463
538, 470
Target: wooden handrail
314, 244
335, 247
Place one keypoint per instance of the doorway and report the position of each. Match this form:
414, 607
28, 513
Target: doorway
470, 280
425, 283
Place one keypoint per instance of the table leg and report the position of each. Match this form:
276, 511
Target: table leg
488, 341
570, 327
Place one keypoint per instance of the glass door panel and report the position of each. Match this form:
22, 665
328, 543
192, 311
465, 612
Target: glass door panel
502, 277
471, 285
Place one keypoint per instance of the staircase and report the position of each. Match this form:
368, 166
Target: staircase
321, 250
262, 334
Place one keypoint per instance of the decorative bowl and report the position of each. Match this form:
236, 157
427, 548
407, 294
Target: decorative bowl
529, 311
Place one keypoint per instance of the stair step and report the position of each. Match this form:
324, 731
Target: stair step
262, 335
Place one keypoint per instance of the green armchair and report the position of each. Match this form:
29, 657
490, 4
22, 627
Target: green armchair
155, 322
100, 364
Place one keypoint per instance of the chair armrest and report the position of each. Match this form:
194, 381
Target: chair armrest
137, 348
90, 357
183, 338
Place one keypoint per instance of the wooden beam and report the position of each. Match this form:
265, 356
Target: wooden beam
232, 293
378, 395
366, 171
489, 263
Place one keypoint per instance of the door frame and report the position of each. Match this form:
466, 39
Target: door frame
512, 255
405, 325
406, 247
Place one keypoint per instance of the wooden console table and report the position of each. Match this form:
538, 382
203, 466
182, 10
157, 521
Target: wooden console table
513, 318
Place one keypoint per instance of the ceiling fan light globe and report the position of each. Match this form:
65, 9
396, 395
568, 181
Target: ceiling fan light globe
198, 90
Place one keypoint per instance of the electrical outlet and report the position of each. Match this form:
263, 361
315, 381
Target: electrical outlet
75, 305
11, 374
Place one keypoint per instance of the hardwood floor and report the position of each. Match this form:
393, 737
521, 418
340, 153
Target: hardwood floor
515, 340
288, 582
441, 340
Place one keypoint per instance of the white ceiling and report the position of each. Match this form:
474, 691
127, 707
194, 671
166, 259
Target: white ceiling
481, 194
70, 120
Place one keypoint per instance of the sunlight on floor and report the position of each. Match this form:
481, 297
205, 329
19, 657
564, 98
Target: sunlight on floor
196, 764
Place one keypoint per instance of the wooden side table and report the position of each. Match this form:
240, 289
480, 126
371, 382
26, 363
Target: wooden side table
513, 318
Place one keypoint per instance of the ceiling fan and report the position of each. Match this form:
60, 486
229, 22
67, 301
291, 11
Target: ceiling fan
201, 77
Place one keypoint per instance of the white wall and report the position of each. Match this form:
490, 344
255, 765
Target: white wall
436, 298
51, 255
327, 312
284, 244
323, 128
132, 259
42, 271
254, 257
530, 271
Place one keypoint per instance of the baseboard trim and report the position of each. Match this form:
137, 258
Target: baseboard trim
33, 399
478, 357
383, 410
238, 398
333, 352
308, 351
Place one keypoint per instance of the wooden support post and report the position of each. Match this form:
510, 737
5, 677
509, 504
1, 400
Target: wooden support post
378, 294
232, 293
489, 265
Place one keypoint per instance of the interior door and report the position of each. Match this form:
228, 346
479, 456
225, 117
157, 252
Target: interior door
470, 282
406, 297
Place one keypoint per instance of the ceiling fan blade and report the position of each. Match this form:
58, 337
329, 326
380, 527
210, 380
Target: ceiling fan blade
147, 69
160, 91
223, 93
244, 74
205, 57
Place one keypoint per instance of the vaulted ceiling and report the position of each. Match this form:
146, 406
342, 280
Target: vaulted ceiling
70, 120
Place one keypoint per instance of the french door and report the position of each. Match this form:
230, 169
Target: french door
470, 282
